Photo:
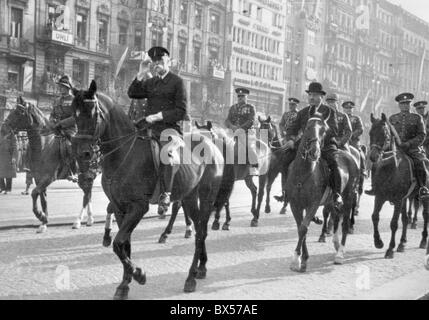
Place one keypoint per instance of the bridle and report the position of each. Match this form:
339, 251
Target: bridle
386, 144
305, 152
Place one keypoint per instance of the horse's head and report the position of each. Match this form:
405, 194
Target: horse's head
267, 124
206, 130
380, 137
313, 135
89, 120
24, 117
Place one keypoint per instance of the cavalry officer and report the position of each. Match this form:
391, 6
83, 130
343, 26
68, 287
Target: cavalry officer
421, 110
356, 122
289, 116
242, 115
63, 123
344, 126
412, 133
330, 149
166, 108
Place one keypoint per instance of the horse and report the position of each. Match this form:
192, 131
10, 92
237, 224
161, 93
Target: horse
239, 171
307, 188
394, 182
45, 161
129, 179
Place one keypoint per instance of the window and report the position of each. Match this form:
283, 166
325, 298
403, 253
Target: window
214, 23
156, 38
123, 34
170, 8
138, 35
198, 17
16, 23
13, 76
102, 33
81, 23
197, 57
79, 73
184, 12
182, 52
311, 62
139, 3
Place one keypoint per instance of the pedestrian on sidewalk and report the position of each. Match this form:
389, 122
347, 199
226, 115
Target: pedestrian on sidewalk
8, 158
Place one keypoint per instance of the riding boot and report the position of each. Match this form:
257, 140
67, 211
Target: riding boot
288, 158
335, 178
371, 192
421, 175
167, 179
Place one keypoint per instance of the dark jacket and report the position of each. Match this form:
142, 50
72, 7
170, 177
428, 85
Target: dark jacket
285, 122
357, 130
293, 131
166, 95
344, 128
243, 116
63, 115
8, 151
411, 129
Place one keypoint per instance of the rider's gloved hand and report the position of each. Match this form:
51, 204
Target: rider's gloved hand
154, 118
290, 144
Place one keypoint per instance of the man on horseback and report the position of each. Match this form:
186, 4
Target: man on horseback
356, 122
421, 110
344, 126
243, 116
410, 135
289, 116
63, 125
166, 108
330, 147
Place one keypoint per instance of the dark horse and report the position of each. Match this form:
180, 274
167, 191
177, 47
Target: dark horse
394, 182
239, 171
45, 163
307, 188
129, 178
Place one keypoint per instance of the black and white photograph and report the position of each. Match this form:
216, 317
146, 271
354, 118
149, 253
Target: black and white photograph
215, 155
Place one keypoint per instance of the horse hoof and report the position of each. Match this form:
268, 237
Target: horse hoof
401, 248
225, 227
162, 239
423, 244
190, 286
427, 262
76, 225
267, 210
215, 225
378, 243
121, 293
90, 222
201, 273
336, 245
283, 211
389, 254
339, 259
254, 224
303, 267
322, 239
107, 241
188, 234
42, 229
139, 276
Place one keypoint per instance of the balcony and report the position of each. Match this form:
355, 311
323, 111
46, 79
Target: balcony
59, 38
214, 72
103, 48
17, 49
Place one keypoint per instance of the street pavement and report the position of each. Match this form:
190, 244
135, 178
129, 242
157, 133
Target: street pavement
244, 263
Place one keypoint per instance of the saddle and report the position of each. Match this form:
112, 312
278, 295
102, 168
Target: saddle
413, 179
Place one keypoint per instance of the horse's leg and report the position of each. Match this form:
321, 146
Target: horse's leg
107, 238
296, 259
190, 205
335, 215
378, 205
423, 243
204, 219
40, 190
188, 222
216, 224
261, 192
253, 189
322, 237
346, 213
416, 212
271, 176
169, 228
354, 206
393, 229
227, 223
85, 203
122, 248
404, 216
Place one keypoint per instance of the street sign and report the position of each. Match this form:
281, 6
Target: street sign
61, 36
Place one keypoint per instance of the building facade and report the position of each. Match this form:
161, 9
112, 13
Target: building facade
255, 53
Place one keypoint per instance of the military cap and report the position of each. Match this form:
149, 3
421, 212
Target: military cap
315, 87
420, 104
242, 91
156, 53
349, 105
332, 97
404, 97
294, 100
65, 81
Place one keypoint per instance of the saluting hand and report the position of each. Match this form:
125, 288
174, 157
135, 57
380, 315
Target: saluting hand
144, 69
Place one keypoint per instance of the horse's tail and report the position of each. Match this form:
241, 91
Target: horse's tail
226, 187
